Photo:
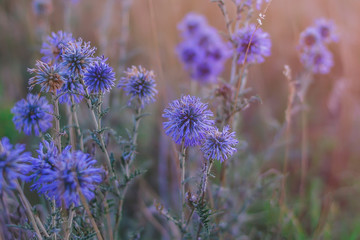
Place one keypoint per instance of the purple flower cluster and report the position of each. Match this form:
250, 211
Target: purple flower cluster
14, 163
189, 123
202, 51
252, 44
315, 55
140, 84
32, 113
62, 176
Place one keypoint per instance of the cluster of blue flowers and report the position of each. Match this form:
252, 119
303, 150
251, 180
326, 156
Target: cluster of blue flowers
69, 71
315, 55
202, 51
189, 122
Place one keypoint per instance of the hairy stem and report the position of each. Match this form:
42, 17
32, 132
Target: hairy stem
127, 168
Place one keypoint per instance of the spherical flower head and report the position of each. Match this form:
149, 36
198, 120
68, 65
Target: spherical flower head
256, 41
99, 76
77, 55
72, 90
188, 120
32, 113
48, 76
219, 145
317, 59
72, 172
309, 38
42, 7
192, 24
140, 84
326, 29
52, 47
14, 163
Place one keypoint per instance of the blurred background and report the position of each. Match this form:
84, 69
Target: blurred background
150, 39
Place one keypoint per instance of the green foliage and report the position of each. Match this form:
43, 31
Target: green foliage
7, 126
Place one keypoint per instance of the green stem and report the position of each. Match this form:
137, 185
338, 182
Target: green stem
127, 170
182, 156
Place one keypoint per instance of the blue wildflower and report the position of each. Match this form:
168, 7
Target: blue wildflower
140, 84
99, 77
219, 145
317, 59
47, 76
188, 120
52, 47
32, 113
77, 56
14, 163
259, 47
71, 171
72, 88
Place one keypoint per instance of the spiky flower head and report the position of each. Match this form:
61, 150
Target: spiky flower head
140, 84
32, 113
52, 47
48, 76
72, 90
253, 43
219, 145
71, 172
99, 76
188, 120
14, 163
317, 59
77, 56
326, 29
